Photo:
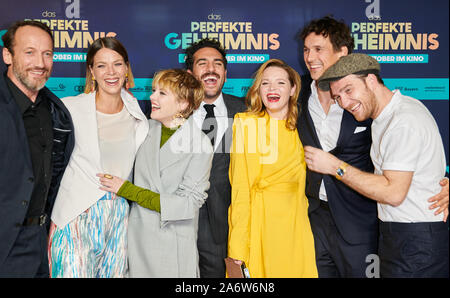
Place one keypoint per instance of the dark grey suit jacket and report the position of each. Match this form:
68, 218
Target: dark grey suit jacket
219, 193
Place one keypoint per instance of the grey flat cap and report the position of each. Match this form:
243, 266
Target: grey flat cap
346, 65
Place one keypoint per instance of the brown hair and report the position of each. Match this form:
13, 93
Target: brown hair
109, 43
184, 85
338, 32
254, 102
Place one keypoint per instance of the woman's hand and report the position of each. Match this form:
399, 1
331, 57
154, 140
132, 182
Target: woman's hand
110, 183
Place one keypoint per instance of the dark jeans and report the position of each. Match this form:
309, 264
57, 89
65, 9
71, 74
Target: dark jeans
335, 257
414, 249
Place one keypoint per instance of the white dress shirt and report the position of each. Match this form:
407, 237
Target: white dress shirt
221, 114
328, 126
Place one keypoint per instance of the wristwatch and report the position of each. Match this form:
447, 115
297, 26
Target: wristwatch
341, 170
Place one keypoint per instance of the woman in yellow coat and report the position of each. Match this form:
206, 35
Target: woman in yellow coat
269, 228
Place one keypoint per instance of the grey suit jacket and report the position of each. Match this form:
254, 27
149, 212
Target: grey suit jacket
165, 244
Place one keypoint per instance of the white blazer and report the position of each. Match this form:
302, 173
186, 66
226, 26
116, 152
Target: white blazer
79, 187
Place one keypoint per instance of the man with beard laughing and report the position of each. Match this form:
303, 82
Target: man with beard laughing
206, 60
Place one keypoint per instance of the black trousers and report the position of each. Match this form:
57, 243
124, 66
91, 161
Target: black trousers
211, 254
335, 257
414, 249
28, 257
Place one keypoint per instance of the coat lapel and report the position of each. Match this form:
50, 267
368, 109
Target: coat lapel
133, 108
312, 129
227, 139
179, 143
309, 123
13, 109
152, 153
348, 125
88, 122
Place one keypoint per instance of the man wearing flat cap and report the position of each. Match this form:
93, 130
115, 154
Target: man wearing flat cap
409, 160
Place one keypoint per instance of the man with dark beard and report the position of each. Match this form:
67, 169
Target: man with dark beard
206, 60
36, 140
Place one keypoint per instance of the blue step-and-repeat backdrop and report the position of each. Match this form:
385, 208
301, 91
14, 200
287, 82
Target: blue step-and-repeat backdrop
409, 37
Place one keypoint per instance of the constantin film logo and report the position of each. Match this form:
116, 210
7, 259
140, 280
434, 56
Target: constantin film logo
73, 9
373, 10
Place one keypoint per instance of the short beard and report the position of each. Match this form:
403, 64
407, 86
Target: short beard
30, 85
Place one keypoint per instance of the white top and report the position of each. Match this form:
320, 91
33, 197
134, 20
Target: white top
116, 143
405, 137
80, 187
221, 114
328, 126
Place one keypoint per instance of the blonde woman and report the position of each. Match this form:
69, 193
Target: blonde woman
269, 229
171, 178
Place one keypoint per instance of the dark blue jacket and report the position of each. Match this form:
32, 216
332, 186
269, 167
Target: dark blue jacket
16, 172
355, 215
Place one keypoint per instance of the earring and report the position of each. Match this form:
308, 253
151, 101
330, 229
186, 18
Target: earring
178, 119
127, 85
93, 83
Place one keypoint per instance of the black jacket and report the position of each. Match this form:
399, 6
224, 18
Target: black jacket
16, 173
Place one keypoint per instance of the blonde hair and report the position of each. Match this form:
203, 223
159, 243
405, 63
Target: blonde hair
184, 85
109, 43
254, 102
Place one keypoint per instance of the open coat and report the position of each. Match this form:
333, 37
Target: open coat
165, 244
80, 187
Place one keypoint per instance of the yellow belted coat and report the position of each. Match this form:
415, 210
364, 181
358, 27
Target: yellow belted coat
268, 220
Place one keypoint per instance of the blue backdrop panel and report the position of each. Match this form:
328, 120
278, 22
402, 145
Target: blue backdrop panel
409, 37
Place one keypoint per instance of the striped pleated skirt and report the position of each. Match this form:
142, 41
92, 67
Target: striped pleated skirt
94, 244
